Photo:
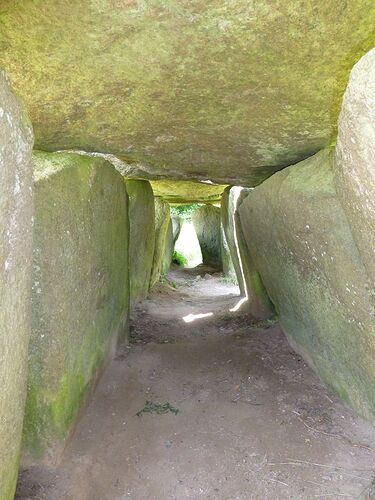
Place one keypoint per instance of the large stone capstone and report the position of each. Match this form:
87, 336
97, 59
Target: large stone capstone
141, 237
80, 291
16, 142
229, 91
229, 201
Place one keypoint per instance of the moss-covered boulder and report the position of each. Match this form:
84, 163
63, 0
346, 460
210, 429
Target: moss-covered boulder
207, 224
80, 291
141, 237
163, 235
302, 244
355, 159
229, 90
16, 142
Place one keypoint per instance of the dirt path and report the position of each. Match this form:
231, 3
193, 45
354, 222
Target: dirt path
254, 422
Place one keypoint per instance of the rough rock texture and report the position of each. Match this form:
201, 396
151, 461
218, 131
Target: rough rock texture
229, 90
162, 231
16, 141
187, 191
141, 237
80, 291
299, 237
207, 224
355, 159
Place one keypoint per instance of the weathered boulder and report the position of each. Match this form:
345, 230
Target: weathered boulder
207, 224
355, 159
16, 142
301, 243
162, 232
230, 90
80, 291
141, 237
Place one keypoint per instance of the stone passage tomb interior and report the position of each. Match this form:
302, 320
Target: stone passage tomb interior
187, 235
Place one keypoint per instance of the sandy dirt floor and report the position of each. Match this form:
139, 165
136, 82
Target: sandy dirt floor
253, 421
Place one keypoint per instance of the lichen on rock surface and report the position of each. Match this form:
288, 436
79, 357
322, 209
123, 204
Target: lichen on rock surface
80, 291
229, 91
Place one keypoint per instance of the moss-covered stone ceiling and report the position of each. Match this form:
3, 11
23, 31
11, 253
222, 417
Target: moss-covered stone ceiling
228, 90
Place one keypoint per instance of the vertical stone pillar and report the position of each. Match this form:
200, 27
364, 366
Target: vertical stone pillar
16, 141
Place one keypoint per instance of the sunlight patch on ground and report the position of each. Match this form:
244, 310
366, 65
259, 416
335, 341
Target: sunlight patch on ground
192, 317
239, 304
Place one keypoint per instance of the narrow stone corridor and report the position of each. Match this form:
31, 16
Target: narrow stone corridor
253, 421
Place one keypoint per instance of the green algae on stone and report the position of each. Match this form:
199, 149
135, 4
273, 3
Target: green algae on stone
141, 237
80, 291
302, 245
229, 91
16, 142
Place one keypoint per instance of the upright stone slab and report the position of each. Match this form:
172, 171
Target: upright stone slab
229, 202
162, 223
141, 238
80, 291
16, 141
226, 258
207, 224
355, 159
168, 249
176, 227
258, 303
301, 243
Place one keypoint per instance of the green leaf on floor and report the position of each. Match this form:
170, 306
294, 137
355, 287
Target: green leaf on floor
157, 408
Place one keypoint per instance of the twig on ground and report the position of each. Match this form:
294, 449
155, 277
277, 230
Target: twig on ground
339, 436
276, 481
301, 462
